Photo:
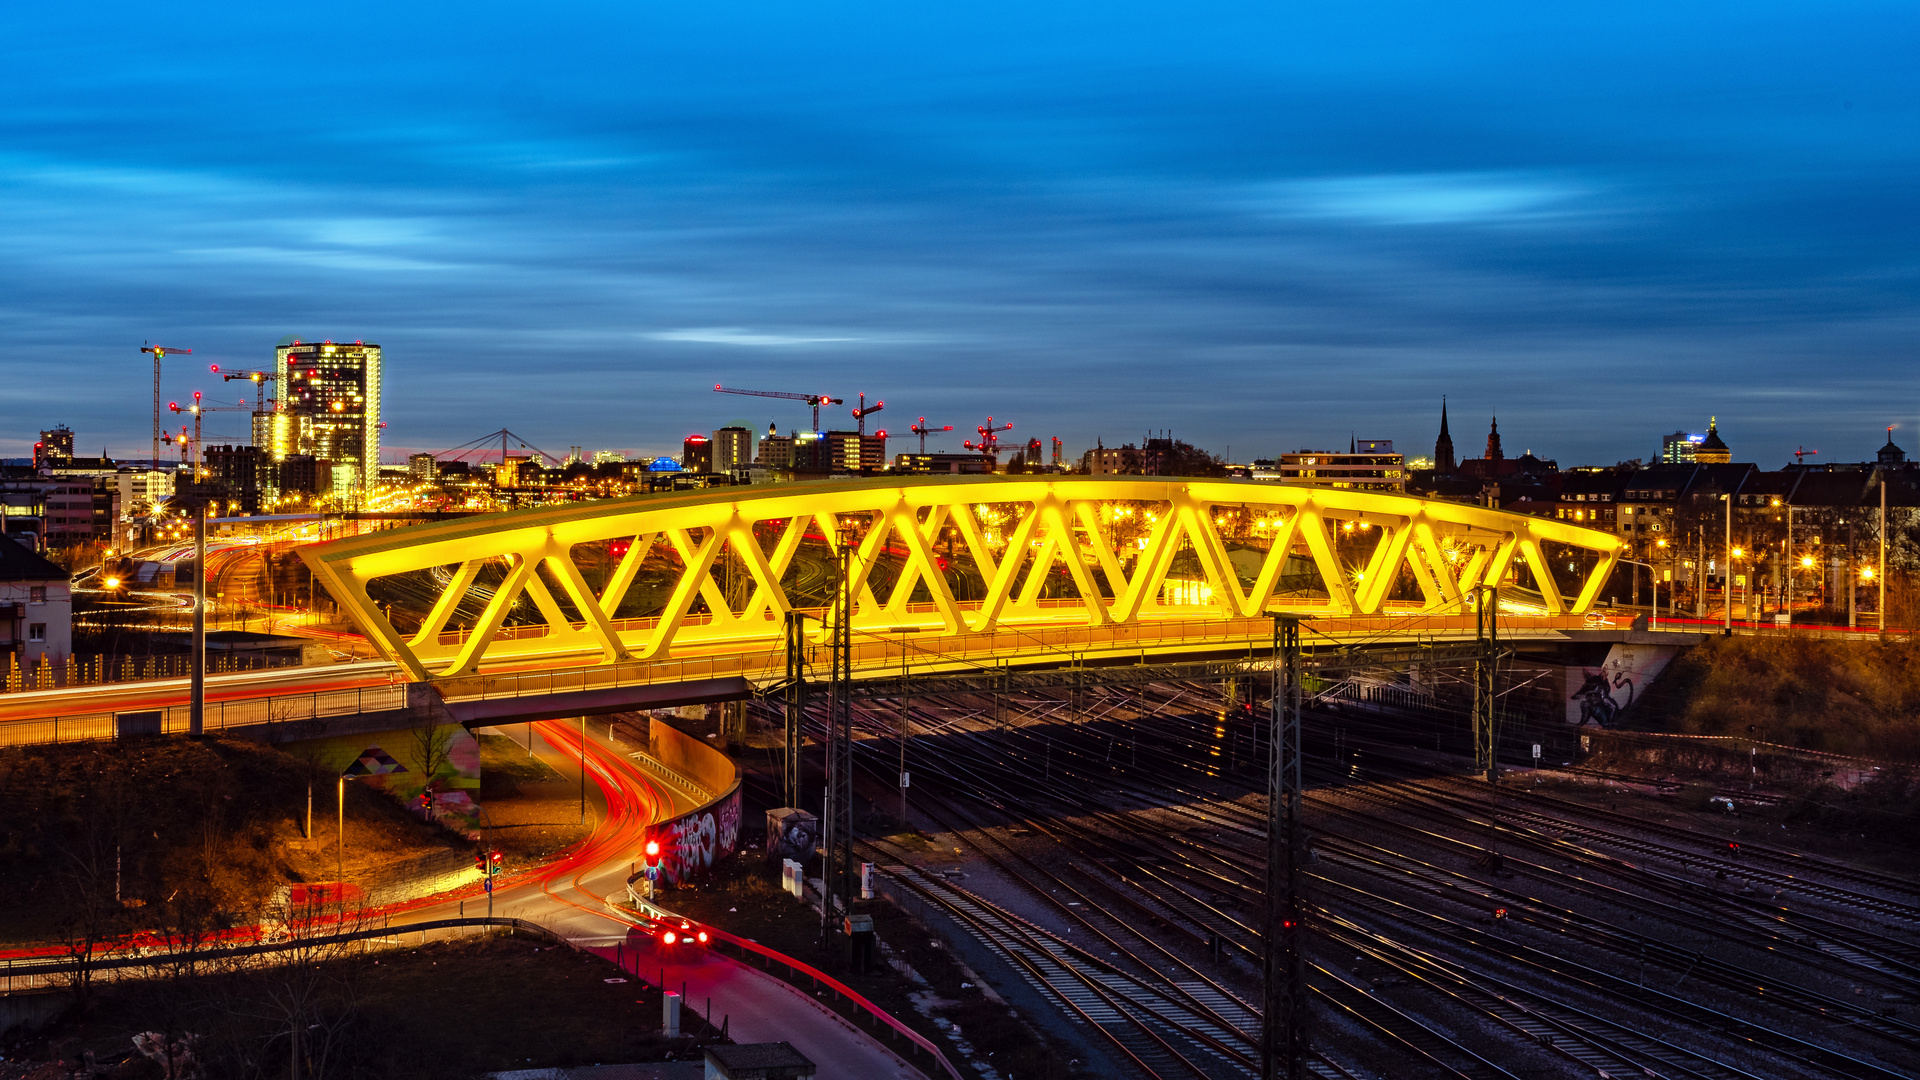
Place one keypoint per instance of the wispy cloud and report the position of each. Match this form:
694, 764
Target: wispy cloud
730, 335
1472, 198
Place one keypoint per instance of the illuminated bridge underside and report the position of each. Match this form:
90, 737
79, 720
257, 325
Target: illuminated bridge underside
1067, 554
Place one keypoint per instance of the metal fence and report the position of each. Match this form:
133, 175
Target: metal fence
229, 714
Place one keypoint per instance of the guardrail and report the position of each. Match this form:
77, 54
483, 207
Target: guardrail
821, 978
38, 973
218, 716
932, 650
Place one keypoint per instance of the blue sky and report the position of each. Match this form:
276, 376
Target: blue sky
1264, 226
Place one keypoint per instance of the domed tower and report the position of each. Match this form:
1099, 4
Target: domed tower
1712, 450
1891, 456
1493, 441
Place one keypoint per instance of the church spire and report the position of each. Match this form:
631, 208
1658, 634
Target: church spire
1493, 441
1443, 463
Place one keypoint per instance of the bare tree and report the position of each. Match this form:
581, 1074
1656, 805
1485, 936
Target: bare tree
92, 915
432, 749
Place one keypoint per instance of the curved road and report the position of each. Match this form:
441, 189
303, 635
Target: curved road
569, 895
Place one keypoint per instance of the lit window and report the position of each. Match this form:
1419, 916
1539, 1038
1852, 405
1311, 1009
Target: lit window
37, 594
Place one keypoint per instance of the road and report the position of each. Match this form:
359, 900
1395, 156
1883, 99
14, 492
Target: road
570, 897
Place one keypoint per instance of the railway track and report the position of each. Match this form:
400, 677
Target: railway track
1174, 846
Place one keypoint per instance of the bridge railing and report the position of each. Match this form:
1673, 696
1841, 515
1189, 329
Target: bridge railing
225, 715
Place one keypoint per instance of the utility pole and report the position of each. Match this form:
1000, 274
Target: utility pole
837, 826
795, 694
1881, 574
1787, 558
1486, 727
906, 716
197, 708
1726, 575
1283, 1030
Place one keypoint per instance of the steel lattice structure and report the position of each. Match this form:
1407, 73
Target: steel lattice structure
1111, 551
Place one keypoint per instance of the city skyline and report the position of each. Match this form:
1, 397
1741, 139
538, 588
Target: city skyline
1261, 231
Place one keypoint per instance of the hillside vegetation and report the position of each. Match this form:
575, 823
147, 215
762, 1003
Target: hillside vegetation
1842, 697
98, 839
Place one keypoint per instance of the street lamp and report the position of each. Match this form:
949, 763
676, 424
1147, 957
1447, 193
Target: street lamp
1736, 555
1653, 623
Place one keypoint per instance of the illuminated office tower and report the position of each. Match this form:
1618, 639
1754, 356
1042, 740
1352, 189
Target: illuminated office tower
330, 409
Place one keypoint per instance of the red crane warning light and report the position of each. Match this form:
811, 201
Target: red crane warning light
921, 429
989, 444
863, 412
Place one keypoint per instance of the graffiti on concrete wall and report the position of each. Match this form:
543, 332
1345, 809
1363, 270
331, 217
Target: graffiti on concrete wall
696, 841
1603, 695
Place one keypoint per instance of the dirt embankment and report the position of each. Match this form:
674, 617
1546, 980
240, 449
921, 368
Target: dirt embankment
99, 839
1840, 697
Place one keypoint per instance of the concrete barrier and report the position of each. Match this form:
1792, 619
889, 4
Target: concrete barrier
693, 842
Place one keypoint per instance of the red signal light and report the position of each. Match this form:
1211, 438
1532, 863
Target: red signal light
213, 367
1499, 913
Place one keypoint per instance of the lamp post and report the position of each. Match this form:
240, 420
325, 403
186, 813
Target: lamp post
340, 805
1726, 576
906, 716
1654, 622
197, 703
1881, 574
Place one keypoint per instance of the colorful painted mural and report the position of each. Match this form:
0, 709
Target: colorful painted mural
1602, 696
693, 842
405, 761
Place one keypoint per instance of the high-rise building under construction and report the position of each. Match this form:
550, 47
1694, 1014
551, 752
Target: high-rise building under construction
330, 410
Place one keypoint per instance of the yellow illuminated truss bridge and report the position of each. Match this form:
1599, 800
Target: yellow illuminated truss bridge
1055, 558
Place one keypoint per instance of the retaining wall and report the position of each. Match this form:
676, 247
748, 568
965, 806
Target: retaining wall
694, 841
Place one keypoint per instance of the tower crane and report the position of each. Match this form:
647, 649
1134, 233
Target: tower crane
921, 429
863, 412
815, 400
260, 379
989, 443
1800, 455
158, 351
197, 409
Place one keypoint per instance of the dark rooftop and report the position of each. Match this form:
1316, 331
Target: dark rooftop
18, 563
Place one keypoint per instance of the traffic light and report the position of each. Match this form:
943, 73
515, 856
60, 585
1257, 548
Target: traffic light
480, 861
652, 851
1733, 847
495, 861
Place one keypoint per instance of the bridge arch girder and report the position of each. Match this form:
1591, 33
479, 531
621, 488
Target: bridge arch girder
1234, 541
